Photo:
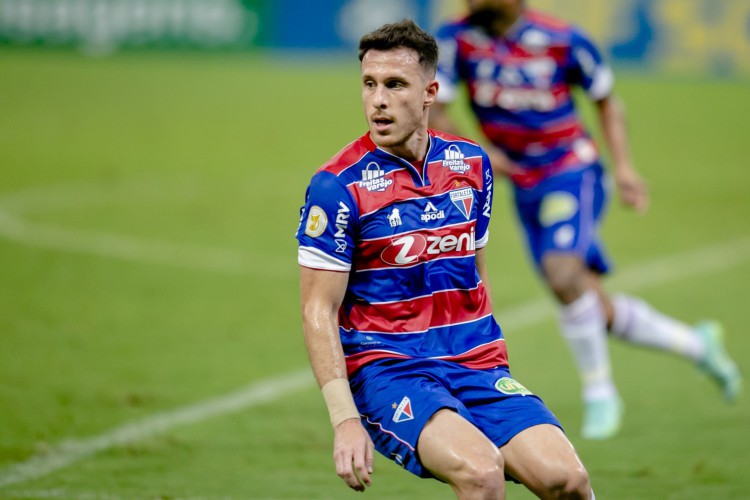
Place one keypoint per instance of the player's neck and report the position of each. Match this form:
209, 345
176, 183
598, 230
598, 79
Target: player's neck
501, 25
414, 149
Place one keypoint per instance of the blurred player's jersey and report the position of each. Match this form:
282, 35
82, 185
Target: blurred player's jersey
407, 237
520, 87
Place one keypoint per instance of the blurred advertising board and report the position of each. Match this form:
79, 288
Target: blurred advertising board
698, 36
102, 26
684, 36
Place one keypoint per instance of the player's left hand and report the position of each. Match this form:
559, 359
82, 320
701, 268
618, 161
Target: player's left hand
353, 454
632, 188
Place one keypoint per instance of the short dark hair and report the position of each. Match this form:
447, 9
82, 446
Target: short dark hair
406, 34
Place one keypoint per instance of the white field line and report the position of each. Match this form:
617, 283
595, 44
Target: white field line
692, 263
137, 249
73, 450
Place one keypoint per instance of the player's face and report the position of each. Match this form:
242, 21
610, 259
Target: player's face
395, 93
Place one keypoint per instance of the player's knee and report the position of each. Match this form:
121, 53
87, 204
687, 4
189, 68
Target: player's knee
568, 483
566, 281
483, 475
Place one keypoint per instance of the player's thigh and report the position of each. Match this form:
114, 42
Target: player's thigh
542, 458
452, 448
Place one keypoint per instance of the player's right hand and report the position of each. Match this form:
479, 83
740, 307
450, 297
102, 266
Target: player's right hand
353, 454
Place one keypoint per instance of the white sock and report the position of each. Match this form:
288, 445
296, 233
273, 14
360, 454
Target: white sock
637, 322
584, 326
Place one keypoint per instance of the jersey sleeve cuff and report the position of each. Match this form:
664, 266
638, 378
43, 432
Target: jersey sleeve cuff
602, 84
317, 259
482, 242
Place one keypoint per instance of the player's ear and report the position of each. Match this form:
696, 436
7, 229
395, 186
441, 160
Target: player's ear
431, 93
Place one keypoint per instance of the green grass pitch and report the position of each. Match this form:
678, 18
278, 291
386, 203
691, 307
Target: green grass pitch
147, 209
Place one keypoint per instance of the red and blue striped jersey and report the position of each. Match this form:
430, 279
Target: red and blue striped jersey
520, 87
407, 236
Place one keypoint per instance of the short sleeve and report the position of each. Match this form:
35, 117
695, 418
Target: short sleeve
485, 203
588, 68
327, 225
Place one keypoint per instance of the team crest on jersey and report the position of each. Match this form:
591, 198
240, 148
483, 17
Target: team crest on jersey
317, 220
454, 160
403, 411
507, 385
373, 178
463, 199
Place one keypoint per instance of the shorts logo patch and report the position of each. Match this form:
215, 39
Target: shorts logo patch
317, 220
557, 207
397, 458
564, 236
403, 411
507, 385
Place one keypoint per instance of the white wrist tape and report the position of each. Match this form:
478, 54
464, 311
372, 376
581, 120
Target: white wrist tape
339, 400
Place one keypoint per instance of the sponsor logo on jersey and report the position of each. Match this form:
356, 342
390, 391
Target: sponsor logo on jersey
342, 220
488, 201
454, 160
488, 94
397, 458
394, 218
403, 411
410, 248
431, 213
463, 199
317, 220
373, 178
507, 385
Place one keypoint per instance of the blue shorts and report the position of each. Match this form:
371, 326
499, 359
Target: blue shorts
563, 214
397, 397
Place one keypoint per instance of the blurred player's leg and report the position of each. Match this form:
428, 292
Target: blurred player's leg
716, 362
637, 322
583, 322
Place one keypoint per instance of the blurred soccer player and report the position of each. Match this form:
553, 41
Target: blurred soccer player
396, 304
520, 68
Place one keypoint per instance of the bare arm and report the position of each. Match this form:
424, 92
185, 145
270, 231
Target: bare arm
322, 293
632, 188
439, 119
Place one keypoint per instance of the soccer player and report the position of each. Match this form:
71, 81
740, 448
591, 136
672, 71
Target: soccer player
520, 68
396, 305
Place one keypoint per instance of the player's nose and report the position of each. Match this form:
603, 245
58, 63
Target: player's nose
380, 97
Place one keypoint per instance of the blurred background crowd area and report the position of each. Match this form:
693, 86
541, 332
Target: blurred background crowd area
674, 36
